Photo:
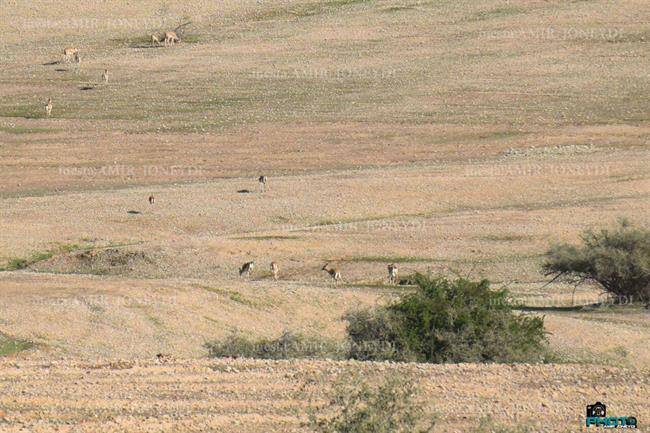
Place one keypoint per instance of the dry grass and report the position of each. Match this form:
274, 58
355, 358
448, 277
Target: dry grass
453, 137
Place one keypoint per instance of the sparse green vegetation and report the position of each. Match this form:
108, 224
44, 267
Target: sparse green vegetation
496, 13
230, 294
19, 130
397, 9
268, 238
10, 346
617, 260
16, 263
157, 322
377, 285
86, 250
358, 406
505, 238
488, 425
302, 10
29, 112
287, 346
390, 259
237, 297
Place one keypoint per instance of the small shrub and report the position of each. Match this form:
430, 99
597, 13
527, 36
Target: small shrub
373, 334
287, 346
449, 321
234, 346
10, 346
616, 260
357, 407
16, 263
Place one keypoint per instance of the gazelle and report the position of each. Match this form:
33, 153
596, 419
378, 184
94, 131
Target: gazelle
334, 272
262, 181
105, 76
275, 269
155, 40
392, 273
246, 269
48, 107
152, 200
171, 38
69, 53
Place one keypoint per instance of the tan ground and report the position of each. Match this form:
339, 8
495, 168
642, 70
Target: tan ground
259, 396
456, 137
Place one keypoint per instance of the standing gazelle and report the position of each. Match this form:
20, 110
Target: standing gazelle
246, 269
392, 273
334, 272
171, 38
262, 181
48, 107
275, 269
69, 54
105, 76
152, 200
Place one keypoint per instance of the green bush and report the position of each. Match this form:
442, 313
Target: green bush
287, 346
11, 346
373, 334
448, 321
357, 407
617, 260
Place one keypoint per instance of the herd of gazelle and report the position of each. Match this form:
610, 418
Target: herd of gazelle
170, 38
335, 274
71, 54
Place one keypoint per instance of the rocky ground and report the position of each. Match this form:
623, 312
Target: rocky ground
264, 396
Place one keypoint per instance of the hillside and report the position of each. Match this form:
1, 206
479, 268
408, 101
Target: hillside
460, 138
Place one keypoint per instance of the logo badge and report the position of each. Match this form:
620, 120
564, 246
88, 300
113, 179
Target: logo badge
597, 416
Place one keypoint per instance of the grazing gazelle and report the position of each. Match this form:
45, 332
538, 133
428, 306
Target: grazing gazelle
69, 54
262, 180
155, 40
275, 269
152, 200
48, 107
171, 38
392, 273
334, 272
246, 269
105, 76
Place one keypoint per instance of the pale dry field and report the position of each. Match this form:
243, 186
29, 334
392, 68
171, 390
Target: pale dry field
451, 137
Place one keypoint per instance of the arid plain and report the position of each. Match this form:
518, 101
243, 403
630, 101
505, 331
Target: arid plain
452, 137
